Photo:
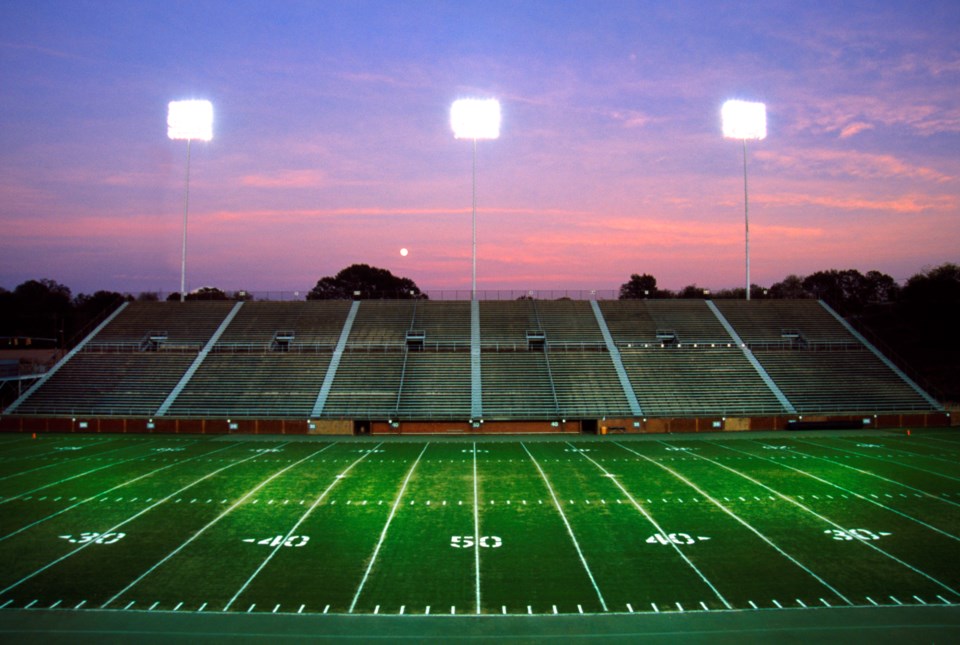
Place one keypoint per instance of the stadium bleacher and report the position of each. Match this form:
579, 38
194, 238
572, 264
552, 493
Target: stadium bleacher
418, 360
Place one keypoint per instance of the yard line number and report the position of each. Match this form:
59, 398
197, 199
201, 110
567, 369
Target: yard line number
675, 538
295, 541
97, 538
847, 535
467, 541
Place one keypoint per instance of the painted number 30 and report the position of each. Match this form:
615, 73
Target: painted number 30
467, 541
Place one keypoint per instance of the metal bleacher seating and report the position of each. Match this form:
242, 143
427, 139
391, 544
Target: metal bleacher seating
415, 359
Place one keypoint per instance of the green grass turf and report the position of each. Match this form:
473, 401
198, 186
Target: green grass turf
609, 525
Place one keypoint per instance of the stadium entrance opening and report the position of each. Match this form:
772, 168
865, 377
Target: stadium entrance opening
588, 426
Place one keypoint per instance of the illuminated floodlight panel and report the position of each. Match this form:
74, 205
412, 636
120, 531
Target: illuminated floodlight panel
190, 120
744, 120
475, 118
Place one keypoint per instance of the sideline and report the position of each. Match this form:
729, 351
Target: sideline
881, 625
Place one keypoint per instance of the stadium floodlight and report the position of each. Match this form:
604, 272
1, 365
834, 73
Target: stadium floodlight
745, 120
188, 120
475, 119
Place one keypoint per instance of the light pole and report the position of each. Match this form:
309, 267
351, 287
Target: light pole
475, 119
745, 120
188, 120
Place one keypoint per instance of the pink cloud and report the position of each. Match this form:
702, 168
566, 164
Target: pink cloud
286, 179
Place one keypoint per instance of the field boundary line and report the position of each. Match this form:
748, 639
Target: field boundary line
846, 490
197, 534
128, 520
744, 523
873, 474
806, 508
386, 527
60, 463
563, 516
886, 461
336, 480
476, 525
110, 490
83, 474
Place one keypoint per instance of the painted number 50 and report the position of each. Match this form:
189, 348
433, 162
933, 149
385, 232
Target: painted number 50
467, 541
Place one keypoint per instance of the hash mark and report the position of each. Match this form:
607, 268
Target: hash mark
629, 608
895, 600
300, 611
251, 607
202, 607
704, 605
777, 603
655, 608
872, 601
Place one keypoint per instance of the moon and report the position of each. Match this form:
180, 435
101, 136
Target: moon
404, 252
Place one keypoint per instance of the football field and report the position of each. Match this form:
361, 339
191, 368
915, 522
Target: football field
479, 526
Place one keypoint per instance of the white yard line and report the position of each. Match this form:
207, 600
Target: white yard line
66, 479
476, 526
576, 544
80, 456
383, 534
128, 520
743, 523
869, 473
657, 526
826, 520
110, 490
197, 534
846, 490
909, 452
300, 521
886, 461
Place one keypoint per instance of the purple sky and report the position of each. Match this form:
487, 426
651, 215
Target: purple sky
332, 142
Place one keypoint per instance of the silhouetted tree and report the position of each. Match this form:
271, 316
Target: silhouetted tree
639, 286
849, 291
364, 282
36, 308
790, 287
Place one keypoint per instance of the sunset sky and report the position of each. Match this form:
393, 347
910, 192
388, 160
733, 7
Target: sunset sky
332, 143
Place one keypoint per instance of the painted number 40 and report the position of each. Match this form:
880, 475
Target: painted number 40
467, 541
